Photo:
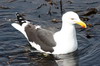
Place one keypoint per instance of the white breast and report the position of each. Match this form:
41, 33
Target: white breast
66, 42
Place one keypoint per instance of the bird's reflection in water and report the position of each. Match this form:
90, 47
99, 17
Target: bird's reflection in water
70, 59
39, 59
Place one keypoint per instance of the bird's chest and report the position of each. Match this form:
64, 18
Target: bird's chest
65, 43
63, 38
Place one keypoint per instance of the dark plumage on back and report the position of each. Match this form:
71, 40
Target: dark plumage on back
40, 36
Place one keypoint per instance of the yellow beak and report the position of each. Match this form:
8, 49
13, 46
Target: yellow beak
82, 24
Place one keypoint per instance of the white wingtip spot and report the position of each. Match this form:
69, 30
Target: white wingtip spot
20, 18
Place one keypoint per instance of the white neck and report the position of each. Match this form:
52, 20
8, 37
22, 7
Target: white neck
66, 38
68, 28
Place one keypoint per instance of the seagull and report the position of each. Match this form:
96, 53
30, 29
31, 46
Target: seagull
61, 42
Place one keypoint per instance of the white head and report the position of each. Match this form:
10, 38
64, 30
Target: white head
73, 18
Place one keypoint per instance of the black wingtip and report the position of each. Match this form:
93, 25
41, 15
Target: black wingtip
20, 18
17, 14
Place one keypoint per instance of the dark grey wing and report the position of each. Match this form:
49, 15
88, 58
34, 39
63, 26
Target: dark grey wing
46, 37
40, 36
31, 33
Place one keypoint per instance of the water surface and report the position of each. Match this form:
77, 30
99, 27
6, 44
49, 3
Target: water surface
13, 45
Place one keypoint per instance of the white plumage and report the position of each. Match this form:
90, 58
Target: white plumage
63, 41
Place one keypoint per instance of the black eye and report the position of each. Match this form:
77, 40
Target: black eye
72, 18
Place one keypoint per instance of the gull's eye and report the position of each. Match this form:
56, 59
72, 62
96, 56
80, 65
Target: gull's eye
72, 18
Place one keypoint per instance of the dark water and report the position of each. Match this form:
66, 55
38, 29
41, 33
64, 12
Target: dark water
13, 45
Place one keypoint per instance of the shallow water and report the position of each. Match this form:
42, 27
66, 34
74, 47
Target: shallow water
13, 45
